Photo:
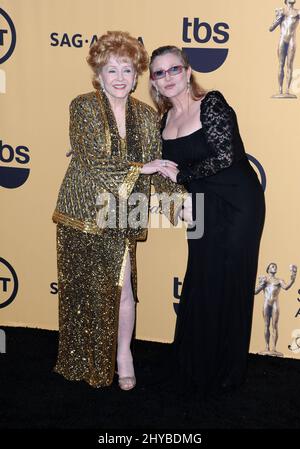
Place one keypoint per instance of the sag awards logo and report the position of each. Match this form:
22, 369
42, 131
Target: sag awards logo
76, 40
202, 58
8, 283
7, 44
12, 177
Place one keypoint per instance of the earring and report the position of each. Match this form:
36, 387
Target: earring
188, 86
101, 86
157, 94
133, 86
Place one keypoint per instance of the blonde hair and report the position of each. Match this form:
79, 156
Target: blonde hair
163, 104
120, 44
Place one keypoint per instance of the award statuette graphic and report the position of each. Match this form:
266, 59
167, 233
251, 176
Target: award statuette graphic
288, 18
271, 286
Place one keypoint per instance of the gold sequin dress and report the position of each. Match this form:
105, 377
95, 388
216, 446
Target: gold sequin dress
91, 258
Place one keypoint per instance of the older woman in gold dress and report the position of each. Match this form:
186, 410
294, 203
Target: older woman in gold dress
116, 144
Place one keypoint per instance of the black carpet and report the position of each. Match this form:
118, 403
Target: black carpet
33, 397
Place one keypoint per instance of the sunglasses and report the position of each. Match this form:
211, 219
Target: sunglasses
172, 71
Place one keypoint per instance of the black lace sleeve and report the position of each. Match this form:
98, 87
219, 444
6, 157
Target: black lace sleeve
217, 122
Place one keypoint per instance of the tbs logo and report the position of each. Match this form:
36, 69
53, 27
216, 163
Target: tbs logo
8, 283
13, 177
204, 59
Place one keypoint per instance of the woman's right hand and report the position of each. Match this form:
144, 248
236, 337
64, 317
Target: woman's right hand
158, 166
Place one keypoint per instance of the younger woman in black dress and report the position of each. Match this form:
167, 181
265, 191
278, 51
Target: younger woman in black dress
200, 133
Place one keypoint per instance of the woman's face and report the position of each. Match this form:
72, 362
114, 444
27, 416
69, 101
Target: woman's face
118, 77
171, 85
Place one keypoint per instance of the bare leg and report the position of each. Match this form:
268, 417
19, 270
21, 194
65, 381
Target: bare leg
126, 326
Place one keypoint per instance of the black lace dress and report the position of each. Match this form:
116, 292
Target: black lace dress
215, 312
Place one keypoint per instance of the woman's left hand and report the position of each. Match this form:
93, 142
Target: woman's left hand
160, 166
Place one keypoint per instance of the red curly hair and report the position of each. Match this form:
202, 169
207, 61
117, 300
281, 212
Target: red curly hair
120, 44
